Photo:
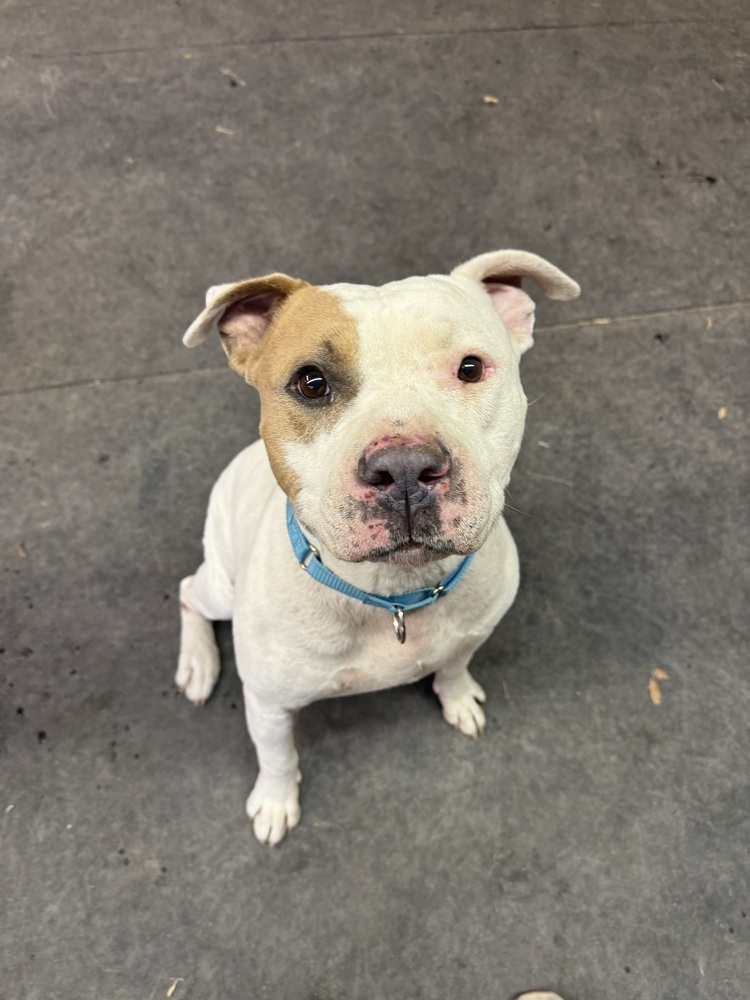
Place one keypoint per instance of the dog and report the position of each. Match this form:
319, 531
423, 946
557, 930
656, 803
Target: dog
361, 544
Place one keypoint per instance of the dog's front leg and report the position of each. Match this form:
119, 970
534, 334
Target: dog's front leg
460, 697
273, 804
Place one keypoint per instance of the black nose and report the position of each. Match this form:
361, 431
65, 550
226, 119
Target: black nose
405, 476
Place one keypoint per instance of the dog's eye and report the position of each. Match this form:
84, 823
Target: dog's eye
471, 369
311, 383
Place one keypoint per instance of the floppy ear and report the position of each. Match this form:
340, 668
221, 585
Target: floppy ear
501, 273
242, 312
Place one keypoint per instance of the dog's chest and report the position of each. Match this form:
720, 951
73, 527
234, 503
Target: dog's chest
336, 648
372, 658
298, 641
376, 659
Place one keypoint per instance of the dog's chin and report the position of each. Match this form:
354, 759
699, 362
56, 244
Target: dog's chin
412, 554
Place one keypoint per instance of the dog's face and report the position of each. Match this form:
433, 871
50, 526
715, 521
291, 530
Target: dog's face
392, 416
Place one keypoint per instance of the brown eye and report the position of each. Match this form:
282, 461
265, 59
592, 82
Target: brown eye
311, 384
471, 369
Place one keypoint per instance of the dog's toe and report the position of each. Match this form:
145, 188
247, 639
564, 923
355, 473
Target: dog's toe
477, 691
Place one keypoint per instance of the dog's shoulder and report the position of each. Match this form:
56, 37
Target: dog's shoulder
240, 496
249, 472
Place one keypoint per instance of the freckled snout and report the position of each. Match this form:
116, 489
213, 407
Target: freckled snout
405, 477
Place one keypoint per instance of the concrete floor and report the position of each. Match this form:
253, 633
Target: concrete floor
590, 842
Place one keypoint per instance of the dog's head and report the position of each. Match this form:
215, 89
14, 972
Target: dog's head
392, 416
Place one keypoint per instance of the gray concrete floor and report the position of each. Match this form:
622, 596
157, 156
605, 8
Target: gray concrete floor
591, 842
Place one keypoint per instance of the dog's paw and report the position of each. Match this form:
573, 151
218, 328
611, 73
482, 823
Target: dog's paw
274, 811
198, 668
539, 995
461, 706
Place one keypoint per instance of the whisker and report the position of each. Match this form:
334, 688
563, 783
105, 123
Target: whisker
517, 509
531, 403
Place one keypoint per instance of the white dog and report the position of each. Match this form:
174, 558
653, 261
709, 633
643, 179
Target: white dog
361, 543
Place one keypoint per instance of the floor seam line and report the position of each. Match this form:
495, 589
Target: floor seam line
653, 314
322, 39
92, 383
600, 321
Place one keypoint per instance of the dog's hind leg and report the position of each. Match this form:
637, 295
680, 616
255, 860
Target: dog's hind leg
198, 664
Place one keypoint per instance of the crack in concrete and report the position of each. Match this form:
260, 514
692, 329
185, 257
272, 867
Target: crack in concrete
374, 35
86, 383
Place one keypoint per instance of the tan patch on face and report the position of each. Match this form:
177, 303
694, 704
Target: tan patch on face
310, 328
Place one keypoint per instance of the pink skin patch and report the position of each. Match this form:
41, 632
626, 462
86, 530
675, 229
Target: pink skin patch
373, 535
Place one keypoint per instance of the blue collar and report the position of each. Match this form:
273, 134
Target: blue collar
309, 559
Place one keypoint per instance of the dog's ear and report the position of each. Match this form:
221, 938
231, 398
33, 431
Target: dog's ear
501, 273
242, 312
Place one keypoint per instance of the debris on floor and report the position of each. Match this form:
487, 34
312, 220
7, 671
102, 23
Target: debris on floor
233, 76
654, 689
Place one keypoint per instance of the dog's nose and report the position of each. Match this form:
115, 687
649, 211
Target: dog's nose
405, 476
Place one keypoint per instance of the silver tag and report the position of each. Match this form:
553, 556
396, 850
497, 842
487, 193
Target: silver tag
399, 625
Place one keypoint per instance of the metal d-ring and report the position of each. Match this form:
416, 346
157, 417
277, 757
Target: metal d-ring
399, 625
311, 553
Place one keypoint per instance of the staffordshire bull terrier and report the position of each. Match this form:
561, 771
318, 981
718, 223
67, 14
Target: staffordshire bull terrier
361, 543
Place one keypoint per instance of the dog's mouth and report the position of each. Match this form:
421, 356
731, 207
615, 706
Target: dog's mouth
358, 532
410, 553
